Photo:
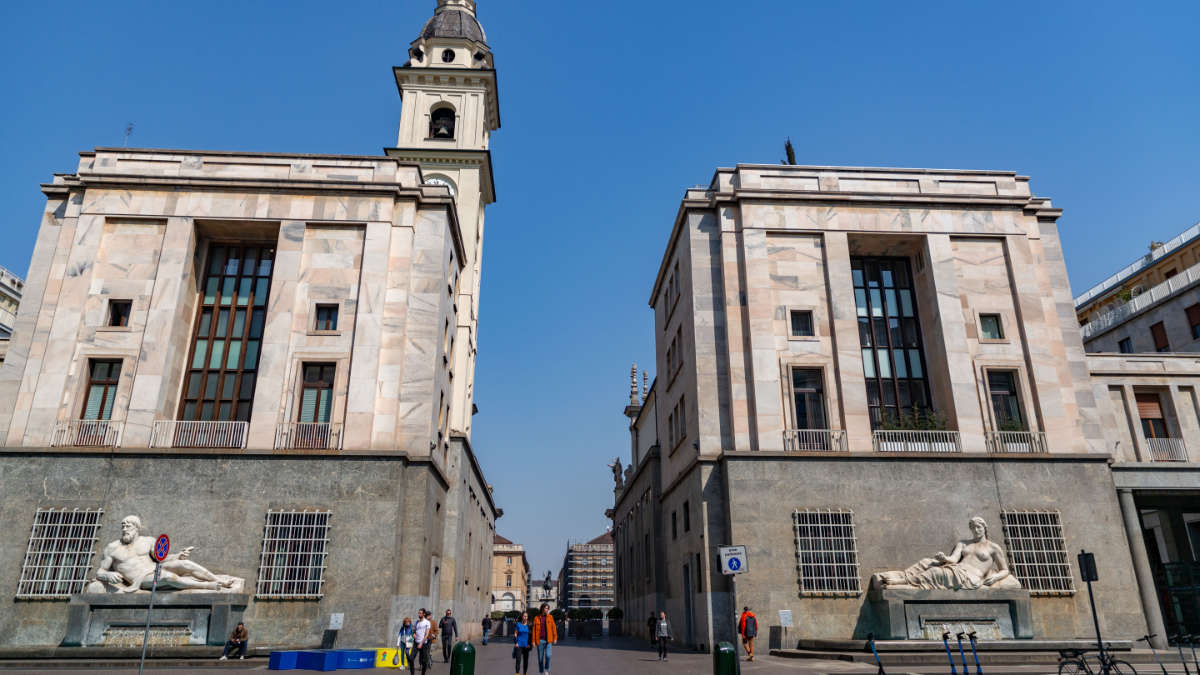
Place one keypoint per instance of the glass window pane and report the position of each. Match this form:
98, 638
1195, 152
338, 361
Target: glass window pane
256, 323
889, 393
243, 411
261, 293
920, 398
860, 301
876, 302
868, 356
873, 393
873, 275
233, 264
864, 332
901, 370
885, 272
244, 291
229, 386
885, 363
226, 413
251, 355
205, 323
206, 411
264, 265
910, 333
189, 411
216, 260
901, 272
881, 332
227, 291
247, 391
905, 396
914, 361
222, 323
906, 303
239, 323
194, 382
235, 354
201, 352
858, 277
210, 385
892, 308
210, 291
218, 352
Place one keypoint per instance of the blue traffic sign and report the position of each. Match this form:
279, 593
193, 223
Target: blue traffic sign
735, 564
162, 546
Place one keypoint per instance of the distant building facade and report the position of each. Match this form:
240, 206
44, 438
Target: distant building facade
11, 288
269, 357
851, 362
587, 580
1151, 305
510, 576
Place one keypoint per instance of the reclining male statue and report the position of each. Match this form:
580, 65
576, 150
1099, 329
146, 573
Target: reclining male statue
126, 567
975, 564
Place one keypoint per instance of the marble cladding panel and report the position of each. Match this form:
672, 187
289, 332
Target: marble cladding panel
873, 181
263, 167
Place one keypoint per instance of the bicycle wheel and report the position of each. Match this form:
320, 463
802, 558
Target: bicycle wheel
1073, 667
1119, 668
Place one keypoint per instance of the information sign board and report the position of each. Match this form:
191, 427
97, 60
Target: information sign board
733, 560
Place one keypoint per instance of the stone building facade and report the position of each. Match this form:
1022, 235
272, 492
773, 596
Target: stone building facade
11, 289
510, 576
587, 575
269, 357
851, 363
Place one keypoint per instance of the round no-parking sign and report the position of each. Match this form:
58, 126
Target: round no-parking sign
162, 546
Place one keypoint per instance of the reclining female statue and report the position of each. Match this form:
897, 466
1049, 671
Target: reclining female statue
976, 563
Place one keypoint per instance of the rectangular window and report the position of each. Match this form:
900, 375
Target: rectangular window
1125, 346
674, 526
1149, 406
826, 552
1193, 316
687, 517
802, 323
118, 313
316, 395
809, 395
295, 545
103, 379
889, 334
58, 558
1159, 333
1006, 400
990, 327
228, 336
1037, 553
327, 317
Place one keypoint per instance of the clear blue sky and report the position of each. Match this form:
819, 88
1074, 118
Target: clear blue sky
611, 109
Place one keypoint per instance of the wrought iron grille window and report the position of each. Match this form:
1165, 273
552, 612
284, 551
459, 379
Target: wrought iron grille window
59, 556
225, 349
1037, 552
890, 336
295, 545
826, 551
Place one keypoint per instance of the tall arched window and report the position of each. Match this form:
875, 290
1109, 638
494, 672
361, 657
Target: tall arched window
441, 123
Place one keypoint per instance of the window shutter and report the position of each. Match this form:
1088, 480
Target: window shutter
106, 414
1149, 407
308, 405
325, 403
1193, 314
1160, 336
91, 410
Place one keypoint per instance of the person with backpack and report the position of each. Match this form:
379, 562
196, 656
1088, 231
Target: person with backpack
748, 629
487, 628
448, 627
404, 646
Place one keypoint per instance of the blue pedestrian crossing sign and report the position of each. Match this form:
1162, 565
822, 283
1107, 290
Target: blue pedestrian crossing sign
733, 560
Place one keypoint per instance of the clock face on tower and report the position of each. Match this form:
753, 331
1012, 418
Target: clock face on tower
448, 56
444, 182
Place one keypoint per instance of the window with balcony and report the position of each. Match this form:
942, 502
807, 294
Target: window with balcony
890, 338
1159, 333
103, 378
316, 396
1006, 400
228, 337
809, 396
1154, 425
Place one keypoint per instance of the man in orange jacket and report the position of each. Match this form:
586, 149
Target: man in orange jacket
748, 628
545, 634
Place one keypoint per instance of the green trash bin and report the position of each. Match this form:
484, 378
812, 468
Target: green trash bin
725, 659
462, 659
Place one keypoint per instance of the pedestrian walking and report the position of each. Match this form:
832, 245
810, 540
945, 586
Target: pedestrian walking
404, 645
487, 628
448, 628
422, 636
545, 634
521, 648
650, 629
748, 628
236, 642
662, 635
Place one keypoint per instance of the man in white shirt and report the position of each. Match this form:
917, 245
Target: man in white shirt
421, 639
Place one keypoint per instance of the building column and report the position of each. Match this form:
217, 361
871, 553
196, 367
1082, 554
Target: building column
1142, 571
843, 320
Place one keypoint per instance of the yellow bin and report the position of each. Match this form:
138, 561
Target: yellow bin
386, 658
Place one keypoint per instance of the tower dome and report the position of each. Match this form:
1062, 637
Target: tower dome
454, 19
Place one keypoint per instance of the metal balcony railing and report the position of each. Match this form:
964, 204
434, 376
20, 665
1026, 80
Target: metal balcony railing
1020, 442
87, 433
814, 440
1136, 304
181, 434
1167, 449
917, 441
308, 436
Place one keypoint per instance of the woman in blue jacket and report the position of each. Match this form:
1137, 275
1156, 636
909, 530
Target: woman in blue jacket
521, 650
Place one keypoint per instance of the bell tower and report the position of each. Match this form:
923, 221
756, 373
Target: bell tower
450, 108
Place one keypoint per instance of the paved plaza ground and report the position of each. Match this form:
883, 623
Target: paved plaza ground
613, 657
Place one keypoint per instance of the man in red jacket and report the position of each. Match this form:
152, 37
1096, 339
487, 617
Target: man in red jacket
748, 628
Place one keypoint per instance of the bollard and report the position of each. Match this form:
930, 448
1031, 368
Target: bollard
462, 659
725, 659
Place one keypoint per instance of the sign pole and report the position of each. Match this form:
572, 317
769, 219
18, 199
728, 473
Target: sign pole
1089, 573
146, 634
162, 546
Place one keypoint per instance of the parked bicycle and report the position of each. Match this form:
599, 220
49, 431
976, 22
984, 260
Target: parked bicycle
1073, 662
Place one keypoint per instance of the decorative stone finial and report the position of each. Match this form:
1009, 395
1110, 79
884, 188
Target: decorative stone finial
464, 5
633, 389
645, 385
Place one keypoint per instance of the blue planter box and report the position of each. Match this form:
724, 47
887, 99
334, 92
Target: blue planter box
283, 660
314, 660
356, 659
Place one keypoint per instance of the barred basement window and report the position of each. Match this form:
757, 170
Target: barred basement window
295, 545
826, 552
1037, 553
59, 556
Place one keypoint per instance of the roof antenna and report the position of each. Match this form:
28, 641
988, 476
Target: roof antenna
128, 133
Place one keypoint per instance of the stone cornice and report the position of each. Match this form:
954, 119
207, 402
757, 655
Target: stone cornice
425, 157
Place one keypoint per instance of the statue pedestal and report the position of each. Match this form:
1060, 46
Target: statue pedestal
915, 614
112, 619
